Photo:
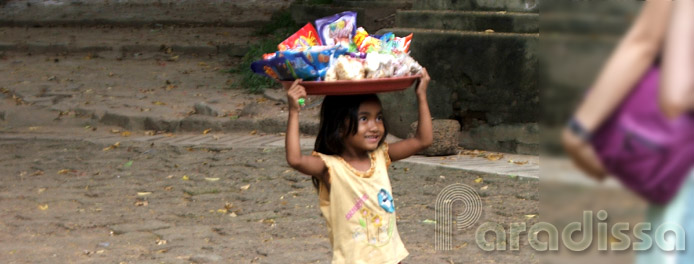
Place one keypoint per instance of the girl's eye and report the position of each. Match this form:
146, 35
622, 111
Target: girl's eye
362, 118
379, 118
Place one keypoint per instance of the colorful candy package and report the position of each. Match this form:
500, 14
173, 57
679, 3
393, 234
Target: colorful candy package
337, 29
276, 68
302, 39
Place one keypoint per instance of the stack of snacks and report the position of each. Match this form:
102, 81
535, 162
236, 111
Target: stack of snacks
338, 50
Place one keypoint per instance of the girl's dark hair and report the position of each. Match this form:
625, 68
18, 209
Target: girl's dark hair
339, 116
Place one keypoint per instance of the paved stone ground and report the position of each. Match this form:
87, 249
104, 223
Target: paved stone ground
70, 195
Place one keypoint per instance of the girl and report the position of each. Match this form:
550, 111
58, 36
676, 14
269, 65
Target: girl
349, 168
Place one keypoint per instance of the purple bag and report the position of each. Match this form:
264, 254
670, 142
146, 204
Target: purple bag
649, 153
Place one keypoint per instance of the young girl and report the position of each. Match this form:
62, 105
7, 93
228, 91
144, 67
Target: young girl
349, 167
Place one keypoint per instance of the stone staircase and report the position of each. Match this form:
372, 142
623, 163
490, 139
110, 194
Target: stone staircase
483, 59
184, 27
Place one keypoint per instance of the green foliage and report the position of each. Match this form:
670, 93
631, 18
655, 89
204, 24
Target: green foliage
278, 29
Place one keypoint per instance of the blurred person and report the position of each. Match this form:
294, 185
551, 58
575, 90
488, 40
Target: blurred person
658, 48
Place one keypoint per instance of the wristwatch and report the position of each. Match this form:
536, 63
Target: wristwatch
578, 130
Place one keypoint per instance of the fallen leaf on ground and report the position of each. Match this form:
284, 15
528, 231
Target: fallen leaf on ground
530, 216
115, 131
125, 133
429, 221
40, 190
206, 131
161, 242
63, 171
149, 133
254, 132
43, 207
245, 187
484, 187
37, 173
185, 178
141, 203
211, 179
143, 193
520, 162
158, 103
478, 180
128, 164
495, 156
115, 145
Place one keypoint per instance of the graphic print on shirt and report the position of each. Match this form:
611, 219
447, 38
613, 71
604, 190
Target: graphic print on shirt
385, 200
375, 229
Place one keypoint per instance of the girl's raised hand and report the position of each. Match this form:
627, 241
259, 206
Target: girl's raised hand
294, 93
423, 83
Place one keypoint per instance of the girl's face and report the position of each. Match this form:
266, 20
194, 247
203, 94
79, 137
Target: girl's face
370, 128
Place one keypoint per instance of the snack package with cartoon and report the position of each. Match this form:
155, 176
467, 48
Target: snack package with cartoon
338, 29
276, 68
301, 40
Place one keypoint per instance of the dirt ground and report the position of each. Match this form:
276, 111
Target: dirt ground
70, 201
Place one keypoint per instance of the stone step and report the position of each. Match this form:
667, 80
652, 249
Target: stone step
498, 21
584, 23
374, 4
479, 5
477, 78
241, 13
570, 64
371, 17
188, 40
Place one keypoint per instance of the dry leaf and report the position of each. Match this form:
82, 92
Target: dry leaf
143, 193
40, 190
158, 103
43, 207
37, 173
185, 178
125, 133
115, 131
520, 162
63, 171
206, 131
232, 214
495, 156
530, 216
141, 203
484, 187
161, 242
254, 132
478, 180
489, 31
211, 179
149, 133
115, 145
245, 187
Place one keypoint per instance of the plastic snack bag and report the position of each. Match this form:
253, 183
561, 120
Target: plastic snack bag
348, 68
304, 38
299, 65
337, 29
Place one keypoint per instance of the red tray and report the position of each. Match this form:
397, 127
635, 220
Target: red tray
365, 86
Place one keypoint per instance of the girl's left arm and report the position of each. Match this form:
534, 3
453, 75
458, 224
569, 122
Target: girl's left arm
424, 135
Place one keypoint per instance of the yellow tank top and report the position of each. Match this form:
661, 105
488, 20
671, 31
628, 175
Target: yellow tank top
360, 212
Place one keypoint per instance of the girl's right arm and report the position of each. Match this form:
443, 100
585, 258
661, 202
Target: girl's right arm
310, 165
